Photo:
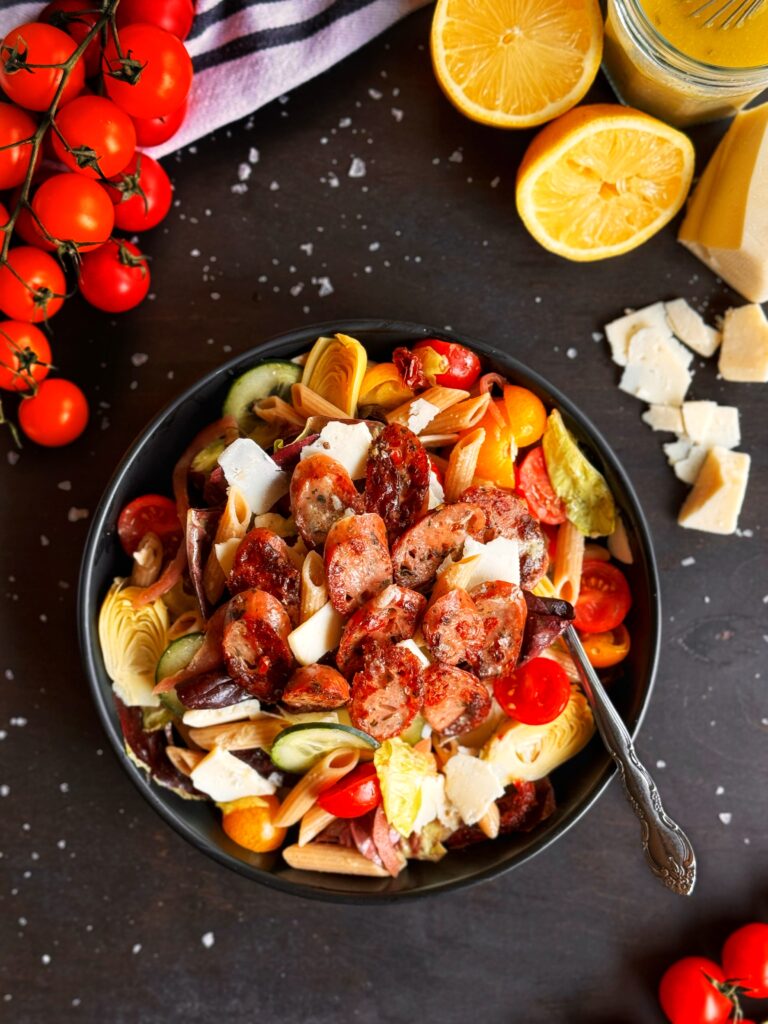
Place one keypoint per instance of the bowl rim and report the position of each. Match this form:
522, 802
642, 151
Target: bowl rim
88, 637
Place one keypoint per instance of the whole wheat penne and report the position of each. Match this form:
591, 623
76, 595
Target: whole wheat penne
313, 823
462, 416
147, 561
255, 732
491, 821
183, 760
442, 398
233, 524
314, 590
462, 463
339, 860
568, 562
187, 622
330, 769
308, 403
275, 410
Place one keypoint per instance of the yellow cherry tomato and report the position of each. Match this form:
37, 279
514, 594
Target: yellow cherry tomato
526, 413
607, 649
496, 461
249, 822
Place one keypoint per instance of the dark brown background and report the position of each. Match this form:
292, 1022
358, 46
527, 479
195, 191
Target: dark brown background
92, 879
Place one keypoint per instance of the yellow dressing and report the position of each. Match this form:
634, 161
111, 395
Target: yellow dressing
743, 46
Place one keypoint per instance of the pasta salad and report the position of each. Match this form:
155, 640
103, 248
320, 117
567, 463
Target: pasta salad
343, 630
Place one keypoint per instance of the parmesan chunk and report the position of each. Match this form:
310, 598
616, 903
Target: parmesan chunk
421, 414
250, 468
657, 368
677, 450
472, 786
744, 353
697, 417
222, 776
689, 327
715, 501
619, 332
436, 492
347, 443
499, 559
319, 634
710, 424
416, 651
687, 468
197, 718
666, 418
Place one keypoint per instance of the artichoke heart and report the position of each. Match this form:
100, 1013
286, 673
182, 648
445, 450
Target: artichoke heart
383, 386
529, 752
132, 640
587, 498
335, 369
402, 773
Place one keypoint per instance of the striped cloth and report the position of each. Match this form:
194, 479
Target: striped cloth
248, 52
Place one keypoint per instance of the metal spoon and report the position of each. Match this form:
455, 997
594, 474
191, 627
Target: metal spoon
728, 13
667, 848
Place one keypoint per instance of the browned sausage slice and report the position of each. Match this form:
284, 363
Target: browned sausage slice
386, 693
421, 550
357, 562
321, 493
455, 701
503, 610
255, 643
453, 628
397, 478
389, 617
507, 515
315, 688
262, 562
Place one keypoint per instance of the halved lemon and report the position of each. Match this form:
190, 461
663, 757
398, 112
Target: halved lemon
516, 63
600, 180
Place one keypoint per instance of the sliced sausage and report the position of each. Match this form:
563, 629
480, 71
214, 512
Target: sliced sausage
503, 610
357, 562
316, 688
455, 701
397, 478
262, 562
507, 515
386, 693
421, 550
453, 628
255, 643
321, 492
389, 617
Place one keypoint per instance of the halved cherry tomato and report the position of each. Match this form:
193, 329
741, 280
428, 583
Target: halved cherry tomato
354, 795
25, 355
604, 598
607, 649
745, 958
534, 485
526, 413
249, 822
688, 997
448, 364
535, 693
56, 415
151, 131
496, 461
150, 513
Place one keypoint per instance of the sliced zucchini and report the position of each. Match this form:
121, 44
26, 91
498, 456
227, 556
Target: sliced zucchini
207, 458
274, 377
299, 747
176, 656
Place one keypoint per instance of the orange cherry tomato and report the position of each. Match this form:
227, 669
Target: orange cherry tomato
607, 649
249, 822
526, 413
496, 461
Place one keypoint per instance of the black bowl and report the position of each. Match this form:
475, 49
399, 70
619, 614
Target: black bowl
578, 784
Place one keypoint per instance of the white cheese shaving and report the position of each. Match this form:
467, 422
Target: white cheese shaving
657, 368
666, 418
619, 332
347, 443
421, 414
499, 559
222, 776
689, 327
710, 424
319, 634
436, 492
416, 651
250, 468
471, 785
198, 718
687, 468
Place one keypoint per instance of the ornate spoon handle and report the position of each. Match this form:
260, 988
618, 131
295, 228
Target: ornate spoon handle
667, 848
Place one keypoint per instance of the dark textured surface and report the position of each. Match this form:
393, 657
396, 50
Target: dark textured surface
103, 909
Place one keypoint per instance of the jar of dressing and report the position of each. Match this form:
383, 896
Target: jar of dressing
661, 58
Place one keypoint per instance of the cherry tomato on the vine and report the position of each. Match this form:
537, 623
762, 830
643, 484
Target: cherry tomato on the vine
15, 125
604, 597
526, 413
143, 194
100, 137
34, 87
25, 355
607, 649
159, 76
56, 415
150, 513
688, 997
175, 16
151, 131
115, 277
72, 208
745, 958
535, 693
534, 484
353, 795
32, 287
447, 364
74, 18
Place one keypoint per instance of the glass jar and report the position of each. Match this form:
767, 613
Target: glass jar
648, 72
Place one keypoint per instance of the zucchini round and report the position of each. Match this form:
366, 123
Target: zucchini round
299, 747
274, 377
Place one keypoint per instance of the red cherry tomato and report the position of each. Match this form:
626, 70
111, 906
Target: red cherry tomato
535, 693
448, 364
15, 125
100, 133
25, 355
150, 513
745, 958
4, 215
534, 485
163, 82
56, 415
175, 16
34, 287
75, 209
604, 597
151, 131
143, 194
72, 17
36, 43
354, 795
687, 997
115, 277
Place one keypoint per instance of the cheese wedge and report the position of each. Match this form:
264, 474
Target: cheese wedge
689, 327
744, 353
715, 501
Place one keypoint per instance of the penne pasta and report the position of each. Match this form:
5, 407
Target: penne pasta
183, 760
596, 552
314, 590
491, 821
283, 526
441, 398
462, 416
568, 562
232, 525
462, 463
438, 440
255, 732
187, 622
454, 577
147, 561
330, 769
308, 403
313, 823
274, 410
328, 857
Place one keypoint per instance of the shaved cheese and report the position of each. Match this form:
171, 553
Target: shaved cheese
347, 443
697, 417
744, 353
472, 786
421, 414
716, 499
657, 368
248, 467
436, 492
666, 418
225, 553
677, 450
687, 468
318, 635
710, 424
222, 776
689, 327
198, 718
499, 559
619, 332
416, 651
